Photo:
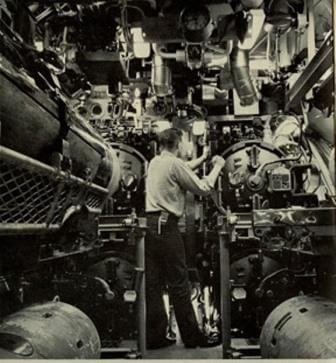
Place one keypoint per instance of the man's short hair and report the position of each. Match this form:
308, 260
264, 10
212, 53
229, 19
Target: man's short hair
169, 138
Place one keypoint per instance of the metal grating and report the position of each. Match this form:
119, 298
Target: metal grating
25, 197
68, 195
31, 197
93, 200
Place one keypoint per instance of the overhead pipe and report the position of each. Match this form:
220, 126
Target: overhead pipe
240, 71
161, 76
166, 55
180, 54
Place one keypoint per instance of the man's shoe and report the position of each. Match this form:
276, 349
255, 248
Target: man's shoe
205, 342
162, 344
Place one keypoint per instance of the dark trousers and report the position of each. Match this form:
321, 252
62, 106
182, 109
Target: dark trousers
166, 265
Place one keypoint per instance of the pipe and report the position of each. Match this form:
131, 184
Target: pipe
141, 303
240, 70
225, 291
252, 4
109, 294
165, 55
213, 55
161, 73
161, 77
332, 165
261, 288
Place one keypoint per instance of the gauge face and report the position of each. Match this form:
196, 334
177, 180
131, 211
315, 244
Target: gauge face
195, 18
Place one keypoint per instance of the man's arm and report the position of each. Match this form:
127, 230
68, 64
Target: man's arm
188, 180
196, 163
218, 163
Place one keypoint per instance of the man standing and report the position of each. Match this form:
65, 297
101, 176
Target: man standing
168, 179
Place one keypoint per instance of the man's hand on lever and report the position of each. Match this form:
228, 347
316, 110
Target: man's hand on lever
196, 163
218, 161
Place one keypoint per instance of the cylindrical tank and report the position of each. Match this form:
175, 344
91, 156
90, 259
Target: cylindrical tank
32, 124
301, 327
52, 330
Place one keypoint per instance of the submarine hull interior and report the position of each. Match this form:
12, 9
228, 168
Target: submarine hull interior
86, 87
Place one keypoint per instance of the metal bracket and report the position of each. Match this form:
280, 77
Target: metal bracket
320, 63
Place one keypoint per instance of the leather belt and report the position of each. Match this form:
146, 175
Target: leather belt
163, 217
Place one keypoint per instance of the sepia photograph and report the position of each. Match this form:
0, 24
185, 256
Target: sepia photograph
167, 179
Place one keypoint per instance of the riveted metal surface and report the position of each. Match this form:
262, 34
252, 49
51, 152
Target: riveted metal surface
301, 327
53, 330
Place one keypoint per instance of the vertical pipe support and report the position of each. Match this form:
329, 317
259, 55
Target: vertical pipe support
311, 44
225, 290
141, 303
311, 30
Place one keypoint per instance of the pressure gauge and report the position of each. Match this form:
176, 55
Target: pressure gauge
196, 23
